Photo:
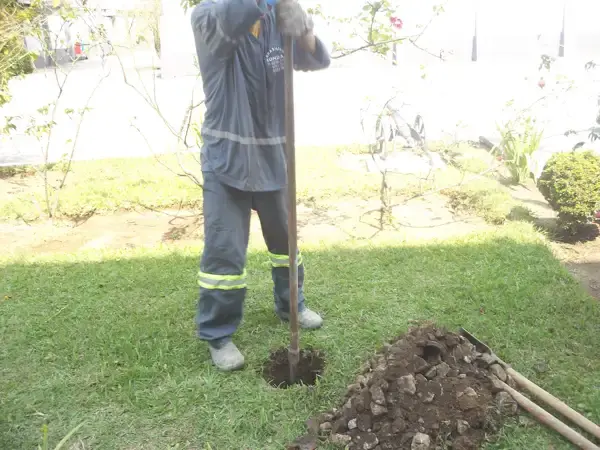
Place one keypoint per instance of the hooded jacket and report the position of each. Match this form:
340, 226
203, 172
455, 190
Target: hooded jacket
242, 74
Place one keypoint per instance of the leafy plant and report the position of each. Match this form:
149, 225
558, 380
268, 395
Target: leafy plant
16, 21
570, 182
519, 140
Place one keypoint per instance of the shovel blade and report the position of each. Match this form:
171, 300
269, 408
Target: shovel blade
479, 345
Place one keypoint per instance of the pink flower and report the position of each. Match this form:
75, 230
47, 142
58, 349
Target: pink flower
396, 22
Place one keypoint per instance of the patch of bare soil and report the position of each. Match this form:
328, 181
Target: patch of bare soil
428, 390
331, 222
423, 218
585, 233
119, 231
583, 261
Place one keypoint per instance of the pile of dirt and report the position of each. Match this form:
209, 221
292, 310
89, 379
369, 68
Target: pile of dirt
429, 390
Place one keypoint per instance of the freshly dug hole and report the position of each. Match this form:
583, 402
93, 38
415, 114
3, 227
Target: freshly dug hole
430, 389
277, 369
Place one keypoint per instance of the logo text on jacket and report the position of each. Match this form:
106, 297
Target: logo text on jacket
274, 59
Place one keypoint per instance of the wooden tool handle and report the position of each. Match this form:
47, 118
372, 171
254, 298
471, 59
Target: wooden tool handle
548, 419
555, 403
290, 147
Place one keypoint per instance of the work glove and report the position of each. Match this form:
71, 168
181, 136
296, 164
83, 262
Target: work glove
292, 20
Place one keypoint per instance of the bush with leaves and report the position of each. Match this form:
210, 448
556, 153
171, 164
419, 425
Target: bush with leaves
16, 21
570, 182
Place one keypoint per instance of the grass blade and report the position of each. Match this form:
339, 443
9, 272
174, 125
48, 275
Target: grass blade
68, 436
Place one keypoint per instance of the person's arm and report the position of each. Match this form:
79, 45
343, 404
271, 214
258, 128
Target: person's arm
221, 23
310, 54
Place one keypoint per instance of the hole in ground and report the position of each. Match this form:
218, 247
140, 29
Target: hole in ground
432, 352
277, 369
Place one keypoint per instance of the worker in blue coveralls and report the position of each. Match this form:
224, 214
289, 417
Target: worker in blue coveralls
240, 53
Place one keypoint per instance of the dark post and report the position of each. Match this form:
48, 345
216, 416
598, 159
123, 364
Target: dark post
561, 46
474, 53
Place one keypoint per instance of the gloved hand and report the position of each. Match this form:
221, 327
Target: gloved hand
292, 20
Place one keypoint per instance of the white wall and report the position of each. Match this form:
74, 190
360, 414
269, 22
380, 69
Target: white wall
508, 30
178, 54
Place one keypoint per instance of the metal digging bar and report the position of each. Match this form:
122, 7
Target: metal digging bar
290, 147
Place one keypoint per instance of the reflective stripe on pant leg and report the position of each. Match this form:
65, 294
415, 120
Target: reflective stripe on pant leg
283, 260
223, 282
272, 212
222, 276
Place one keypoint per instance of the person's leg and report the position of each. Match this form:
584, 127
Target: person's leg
222, 276
273, 214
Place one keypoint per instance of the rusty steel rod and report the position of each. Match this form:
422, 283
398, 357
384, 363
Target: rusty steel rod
290, 147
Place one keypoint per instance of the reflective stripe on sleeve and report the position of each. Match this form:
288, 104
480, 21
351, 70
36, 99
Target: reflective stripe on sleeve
223, 282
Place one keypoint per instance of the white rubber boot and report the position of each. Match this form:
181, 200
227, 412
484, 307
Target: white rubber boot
307, 319
227, 357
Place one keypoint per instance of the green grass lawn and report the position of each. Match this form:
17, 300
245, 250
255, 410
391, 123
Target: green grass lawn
108, 338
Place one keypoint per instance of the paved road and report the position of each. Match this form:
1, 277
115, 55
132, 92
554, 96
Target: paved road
458, 101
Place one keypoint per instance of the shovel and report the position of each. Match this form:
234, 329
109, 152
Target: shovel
546, 397
290, 148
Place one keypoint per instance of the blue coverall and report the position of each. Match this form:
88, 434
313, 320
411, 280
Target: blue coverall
243, 155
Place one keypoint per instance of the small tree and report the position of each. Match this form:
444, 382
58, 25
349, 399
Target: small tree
41, 125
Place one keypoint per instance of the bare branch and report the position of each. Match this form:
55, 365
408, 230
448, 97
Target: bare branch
372, 45
438, 56
181, 134
78, 132
185, 173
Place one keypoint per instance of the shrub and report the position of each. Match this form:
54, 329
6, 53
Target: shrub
570, 182
15, 59
13, 171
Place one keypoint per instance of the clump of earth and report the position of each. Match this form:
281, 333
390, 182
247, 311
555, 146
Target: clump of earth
431, 389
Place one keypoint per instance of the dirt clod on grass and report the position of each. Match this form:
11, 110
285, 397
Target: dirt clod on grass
277, 369
429, 390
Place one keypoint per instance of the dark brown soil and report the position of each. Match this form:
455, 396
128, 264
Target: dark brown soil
586, 233
429, 390
277, 369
